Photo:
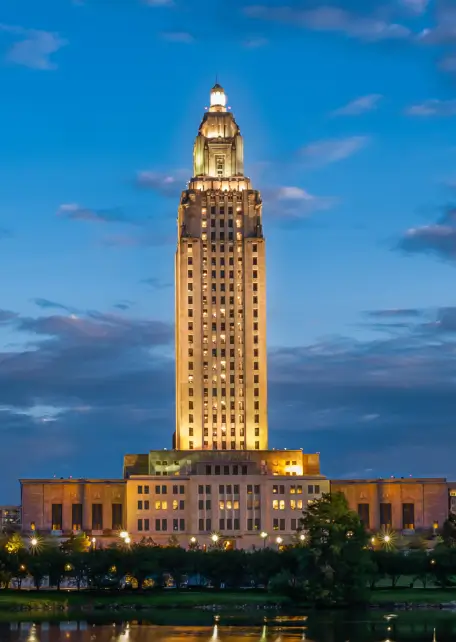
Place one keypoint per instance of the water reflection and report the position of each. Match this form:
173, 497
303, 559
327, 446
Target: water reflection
317, 627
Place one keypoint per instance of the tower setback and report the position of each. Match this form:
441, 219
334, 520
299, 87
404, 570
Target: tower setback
221, 361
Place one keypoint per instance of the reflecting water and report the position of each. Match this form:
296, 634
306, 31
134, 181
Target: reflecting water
316, 627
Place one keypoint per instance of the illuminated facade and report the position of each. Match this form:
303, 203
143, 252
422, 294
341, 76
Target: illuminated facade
221, 361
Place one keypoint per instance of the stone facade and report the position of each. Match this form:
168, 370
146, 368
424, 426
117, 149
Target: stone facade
65, 506
401, 504
221, 360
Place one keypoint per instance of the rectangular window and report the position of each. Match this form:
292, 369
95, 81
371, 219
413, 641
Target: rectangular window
175, 524
310, 489
157, 525
146, 490
208, 524
182, 524
117, 518
164, 524
408, 516
140, 504
140, 490
317, 489
201, 525
293, 524
146, 525
97, 517
282, 524
76, 517
140, 524
57, 517
363, 512
385, 515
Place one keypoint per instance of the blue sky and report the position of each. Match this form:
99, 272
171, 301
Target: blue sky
349, 116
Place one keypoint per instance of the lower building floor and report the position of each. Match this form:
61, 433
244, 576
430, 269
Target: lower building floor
400, 504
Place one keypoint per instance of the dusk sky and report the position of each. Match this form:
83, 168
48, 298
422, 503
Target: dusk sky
348, 110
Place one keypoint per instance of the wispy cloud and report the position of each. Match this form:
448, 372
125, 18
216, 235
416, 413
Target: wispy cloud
158, 3
433, 107
46, 304
149, 238
332, 19
417, 7
178, 36
170, 185
437, 238
157, 283
255, 42
394, 313
111, 215
324, 152
359, 106
294, 203
33, 48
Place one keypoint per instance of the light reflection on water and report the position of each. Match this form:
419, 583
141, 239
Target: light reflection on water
317, 628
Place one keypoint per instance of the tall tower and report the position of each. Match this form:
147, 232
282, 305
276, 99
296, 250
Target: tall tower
221, 367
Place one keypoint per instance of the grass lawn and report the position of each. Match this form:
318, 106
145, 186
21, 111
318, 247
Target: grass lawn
413, 596
161, 599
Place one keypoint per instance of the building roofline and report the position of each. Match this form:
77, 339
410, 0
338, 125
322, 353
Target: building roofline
73, 480
389, 480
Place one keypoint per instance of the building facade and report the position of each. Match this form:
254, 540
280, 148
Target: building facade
404, 504
220, 480
10, 518
221, 361
66, 506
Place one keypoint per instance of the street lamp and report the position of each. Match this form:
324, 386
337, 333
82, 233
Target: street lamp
123, 534
94, 542
279, 540
264, 537
127, 540
302, 537
34, 542
387, 539
215, 538
192, 540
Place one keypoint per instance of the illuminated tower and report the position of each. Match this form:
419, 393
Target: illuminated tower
221, 371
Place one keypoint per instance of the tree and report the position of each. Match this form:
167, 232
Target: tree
339, 563
448, 532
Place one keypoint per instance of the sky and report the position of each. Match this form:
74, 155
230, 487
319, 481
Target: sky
348, 111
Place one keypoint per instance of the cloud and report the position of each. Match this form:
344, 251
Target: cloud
433, 107
436, 238
255, 42
178, 36
74, 378
417, 7
33, 48
294, 203
394, 313
123, 305
46, 304
158, 3
78, 213
332, 19
169, 185
149, 238
325, 152
157, 284
6, 316
359, 106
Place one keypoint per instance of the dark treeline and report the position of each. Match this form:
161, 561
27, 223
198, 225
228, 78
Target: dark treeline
333, 561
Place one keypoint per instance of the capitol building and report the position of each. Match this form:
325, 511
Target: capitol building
219, 482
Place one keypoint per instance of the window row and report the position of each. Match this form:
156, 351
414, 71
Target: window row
161, 525
97, 522
279, 504
386, 515
295, 490
162, 489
